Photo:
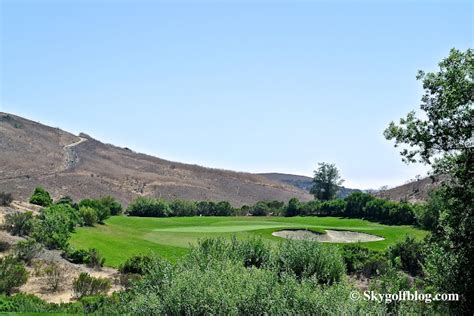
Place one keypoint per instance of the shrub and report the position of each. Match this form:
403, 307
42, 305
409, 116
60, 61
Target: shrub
27, 250
310, 208
110, 203
293, 207
19, 223
89, 215
223, 208
86, 285
182, 208
4, 246
205, 208
54, 276
76, 256
54, 226
355, 203
260, 209
333, 207
41, 197
66, 200
148, 207
91, 257
253, 252
103, 212
95, 259
407, 255
362, 260
5, 199
138, 264
12, 274
308, 259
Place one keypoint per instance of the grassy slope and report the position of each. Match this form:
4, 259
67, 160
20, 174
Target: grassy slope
123, 237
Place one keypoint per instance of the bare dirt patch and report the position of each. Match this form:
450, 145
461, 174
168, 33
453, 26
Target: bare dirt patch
331, 236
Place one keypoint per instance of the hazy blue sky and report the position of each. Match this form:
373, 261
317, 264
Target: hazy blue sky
252, 86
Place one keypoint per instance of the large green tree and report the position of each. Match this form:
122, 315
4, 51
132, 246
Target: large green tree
443, 137
326, 182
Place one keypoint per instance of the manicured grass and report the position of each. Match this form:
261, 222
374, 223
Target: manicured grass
122, 237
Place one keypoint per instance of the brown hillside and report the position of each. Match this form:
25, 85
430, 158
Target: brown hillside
33, 154
414, 191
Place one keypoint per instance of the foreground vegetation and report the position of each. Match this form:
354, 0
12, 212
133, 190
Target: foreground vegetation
228, 276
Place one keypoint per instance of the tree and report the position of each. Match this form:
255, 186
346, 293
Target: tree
41, 197
293, 208
326, 182
443, 139
260, 209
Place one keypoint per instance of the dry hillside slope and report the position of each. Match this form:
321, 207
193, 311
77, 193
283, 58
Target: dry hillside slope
33, 154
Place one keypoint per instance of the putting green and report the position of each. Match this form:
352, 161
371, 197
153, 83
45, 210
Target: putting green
223, 228
122, 237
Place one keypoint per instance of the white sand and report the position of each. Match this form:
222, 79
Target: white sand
331, 236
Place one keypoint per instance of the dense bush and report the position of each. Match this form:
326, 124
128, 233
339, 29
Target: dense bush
27, 250
356, 202
332, 208
361, 260
86, 285
308, 259
260, 209
12, 274
95, 259
91, 257
76, 256
102, 211
138, 264
360, 205
41, 197
250, 253
88, 215
182, 208
19, 223
110, 203
293, 208
407, 255
5, 199
148, 207
54, 226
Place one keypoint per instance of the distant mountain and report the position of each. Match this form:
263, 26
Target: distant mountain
303, 182
33, 154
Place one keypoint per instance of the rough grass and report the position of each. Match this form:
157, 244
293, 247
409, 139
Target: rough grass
122, 237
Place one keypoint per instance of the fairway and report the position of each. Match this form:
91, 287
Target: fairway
122, 237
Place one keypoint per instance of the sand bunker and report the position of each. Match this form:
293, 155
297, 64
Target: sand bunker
332, 236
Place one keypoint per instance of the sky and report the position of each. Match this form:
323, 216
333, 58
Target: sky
257, 86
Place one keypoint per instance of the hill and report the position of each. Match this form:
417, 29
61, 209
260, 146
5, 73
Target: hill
33, 154
413, 191
303, 182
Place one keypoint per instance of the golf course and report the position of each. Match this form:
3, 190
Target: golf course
124, 236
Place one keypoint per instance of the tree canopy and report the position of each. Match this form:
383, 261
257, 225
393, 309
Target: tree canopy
326, 181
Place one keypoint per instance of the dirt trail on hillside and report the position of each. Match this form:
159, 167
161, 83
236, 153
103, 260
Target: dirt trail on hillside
71, 157
331, 236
